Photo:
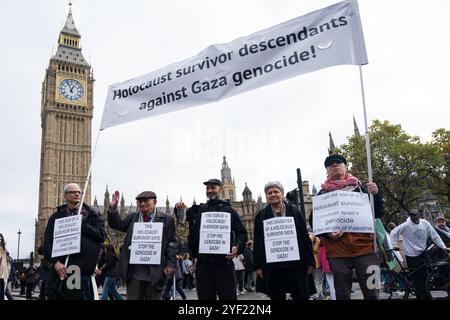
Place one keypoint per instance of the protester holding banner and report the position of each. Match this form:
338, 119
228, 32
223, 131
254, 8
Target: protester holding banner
284, 272
350, 250
145, 280
211, 226
92, 236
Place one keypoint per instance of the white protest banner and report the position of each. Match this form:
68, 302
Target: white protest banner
342, 210
327, 37
215, 233
280, 239
67, 236
146, 243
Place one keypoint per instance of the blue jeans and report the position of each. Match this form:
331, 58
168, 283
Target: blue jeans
168, 292
110, 286
86, 288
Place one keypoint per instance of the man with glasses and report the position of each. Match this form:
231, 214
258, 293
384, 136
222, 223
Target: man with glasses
92, 236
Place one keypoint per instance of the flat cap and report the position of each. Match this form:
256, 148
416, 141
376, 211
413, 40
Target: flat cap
213, 181
334, 158
146, 195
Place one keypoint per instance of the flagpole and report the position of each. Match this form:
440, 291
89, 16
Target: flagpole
369, 160
89, 173
174, 286
83, 195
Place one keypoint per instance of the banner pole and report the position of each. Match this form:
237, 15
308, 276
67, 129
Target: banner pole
83, 195
174, 287
369, 160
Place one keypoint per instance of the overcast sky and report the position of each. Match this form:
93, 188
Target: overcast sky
265, 134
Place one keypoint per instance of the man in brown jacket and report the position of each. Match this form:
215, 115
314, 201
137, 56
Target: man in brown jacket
348, 251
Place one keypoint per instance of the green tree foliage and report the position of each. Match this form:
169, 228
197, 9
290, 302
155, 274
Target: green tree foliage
402, 165
440, 185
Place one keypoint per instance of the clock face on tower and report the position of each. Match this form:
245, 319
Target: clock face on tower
71, 89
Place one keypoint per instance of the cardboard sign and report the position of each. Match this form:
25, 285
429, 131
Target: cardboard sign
215, 233
280, 240
146, 243
67, 236
342, 210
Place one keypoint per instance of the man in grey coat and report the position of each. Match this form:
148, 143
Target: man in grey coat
144, 281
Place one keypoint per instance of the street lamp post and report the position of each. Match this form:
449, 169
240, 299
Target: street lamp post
18, 245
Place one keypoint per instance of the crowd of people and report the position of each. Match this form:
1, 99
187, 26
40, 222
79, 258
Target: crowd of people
323, 266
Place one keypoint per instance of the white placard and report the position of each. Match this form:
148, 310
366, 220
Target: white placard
146, 243
215, 233
280, 240
342, 210
67, 236
145, 253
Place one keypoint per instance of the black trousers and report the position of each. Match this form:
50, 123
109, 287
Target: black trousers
285, 280
419, 277
2, 289
216, 280
29, 290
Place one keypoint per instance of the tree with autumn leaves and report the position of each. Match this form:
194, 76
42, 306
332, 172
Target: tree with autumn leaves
403, 166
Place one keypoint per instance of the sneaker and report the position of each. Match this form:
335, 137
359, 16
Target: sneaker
244, 291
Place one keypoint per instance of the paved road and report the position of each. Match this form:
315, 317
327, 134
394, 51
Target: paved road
191, 295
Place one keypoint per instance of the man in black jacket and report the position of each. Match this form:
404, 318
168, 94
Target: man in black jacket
442, 230
92, 236
144, 281
214, 271
281, 277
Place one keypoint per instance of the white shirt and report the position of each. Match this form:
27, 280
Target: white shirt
415, 237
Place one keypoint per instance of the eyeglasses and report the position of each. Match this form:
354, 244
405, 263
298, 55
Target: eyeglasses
74, 192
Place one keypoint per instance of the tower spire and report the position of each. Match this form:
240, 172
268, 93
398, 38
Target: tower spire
332, 146
69, 26
355, 128
225, 171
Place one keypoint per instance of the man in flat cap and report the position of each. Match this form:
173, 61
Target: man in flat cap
216, 236
145, 278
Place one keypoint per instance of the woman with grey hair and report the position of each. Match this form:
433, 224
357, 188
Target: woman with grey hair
281, 277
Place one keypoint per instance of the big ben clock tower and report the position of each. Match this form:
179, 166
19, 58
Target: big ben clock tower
66, 116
